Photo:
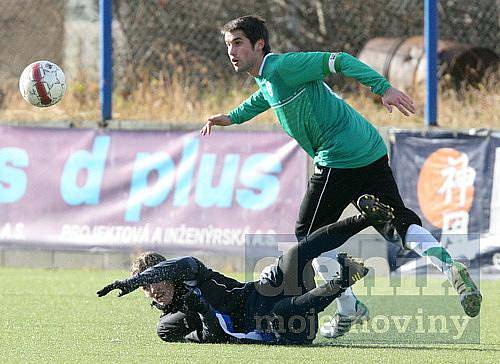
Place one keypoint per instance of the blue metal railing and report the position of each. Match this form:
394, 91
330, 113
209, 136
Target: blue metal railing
431, 40
106, 46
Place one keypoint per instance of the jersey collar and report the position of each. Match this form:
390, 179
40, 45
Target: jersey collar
262, 64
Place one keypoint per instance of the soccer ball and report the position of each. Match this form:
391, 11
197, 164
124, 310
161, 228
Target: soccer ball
42, 84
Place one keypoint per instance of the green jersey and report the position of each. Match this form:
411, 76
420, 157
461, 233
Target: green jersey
324, 125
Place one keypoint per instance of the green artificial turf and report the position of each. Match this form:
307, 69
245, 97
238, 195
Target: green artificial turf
54, 316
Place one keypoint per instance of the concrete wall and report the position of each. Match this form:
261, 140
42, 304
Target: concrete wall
42, 258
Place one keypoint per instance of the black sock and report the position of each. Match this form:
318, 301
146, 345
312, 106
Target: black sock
317, 299
331, 236
294, 262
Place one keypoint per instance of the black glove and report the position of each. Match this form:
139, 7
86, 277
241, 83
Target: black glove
123, 286
194, 301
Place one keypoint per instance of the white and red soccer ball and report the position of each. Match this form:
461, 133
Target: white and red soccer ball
42, 84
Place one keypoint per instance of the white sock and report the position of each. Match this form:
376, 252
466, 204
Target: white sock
424, 244
346, 302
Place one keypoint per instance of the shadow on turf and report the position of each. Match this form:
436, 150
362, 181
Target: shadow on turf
398, 346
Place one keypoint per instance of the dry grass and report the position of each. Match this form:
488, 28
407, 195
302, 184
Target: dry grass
479, 108
178, 101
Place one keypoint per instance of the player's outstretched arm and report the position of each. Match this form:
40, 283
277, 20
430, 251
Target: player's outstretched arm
219, 119
403, 102
174, 270
123, 286
352, 67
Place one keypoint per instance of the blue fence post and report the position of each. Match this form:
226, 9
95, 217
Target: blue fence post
431, 41
106, 46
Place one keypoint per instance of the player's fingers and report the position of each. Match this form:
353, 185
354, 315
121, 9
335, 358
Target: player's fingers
407, 98
204, 129
402, 109
386, 104
408, 106
400, 105
103, 292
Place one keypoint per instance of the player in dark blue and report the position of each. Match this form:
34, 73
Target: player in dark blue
282, 307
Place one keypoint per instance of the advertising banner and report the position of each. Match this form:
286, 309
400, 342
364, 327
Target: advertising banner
448, 180
94, 188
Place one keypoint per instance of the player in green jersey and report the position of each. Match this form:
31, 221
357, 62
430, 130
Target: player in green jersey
349, 153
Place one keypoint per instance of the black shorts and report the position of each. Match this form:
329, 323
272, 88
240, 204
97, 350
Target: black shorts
331, 190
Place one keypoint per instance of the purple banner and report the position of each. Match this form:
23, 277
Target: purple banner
110, 188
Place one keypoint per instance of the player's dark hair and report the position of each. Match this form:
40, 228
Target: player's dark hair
253, 27
145, 261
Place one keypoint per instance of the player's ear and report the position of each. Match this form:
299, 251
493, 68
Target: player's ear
259, 45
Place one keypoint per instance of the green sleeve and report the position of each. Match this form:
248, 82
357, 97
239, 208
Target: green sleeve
249, 108
301, 67
352, 67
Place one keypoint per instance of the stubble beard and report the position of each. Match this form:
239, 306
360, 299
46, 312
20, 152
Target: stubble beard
245, 67
241, 69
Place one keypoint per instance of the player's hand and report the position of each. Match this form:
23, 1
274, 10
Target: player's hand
121, 285
394, 97
194, 301
219, 119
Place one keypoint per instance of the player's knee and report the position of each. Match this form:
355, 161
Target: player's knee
283, 308
300, 231
414, 220
169, 332
407, 219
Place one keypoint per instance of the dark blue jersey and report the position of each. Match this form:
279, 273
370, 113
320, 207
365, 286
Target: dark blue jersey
225, 295
245, 310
